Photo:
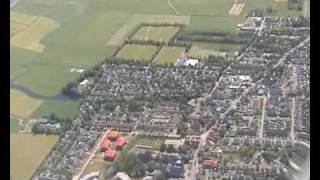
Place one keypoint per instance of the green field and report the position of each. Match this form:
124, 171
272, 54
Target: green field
155, 33
14, 125
63, 109
223, 47
26, 153
214, 24
216, 7
137, 52
97, 165
168, 55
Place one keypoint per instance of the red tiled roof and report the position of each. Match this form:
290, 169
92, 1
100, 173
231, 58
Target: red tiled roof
121, 141
110, 153
212, 163
113, 134
105, 144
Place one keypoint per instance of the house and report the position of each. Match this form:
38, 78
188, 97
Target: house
110, 155
121, 141
210, 164
105, 144
113, 135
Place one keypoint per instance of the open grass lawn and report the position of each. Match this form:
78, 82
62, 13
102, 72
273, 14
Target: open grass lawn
168, 55
223, 47
159, 34
198, 52
22, 105
219, 7
46, 80
137, 52
26, 153
214, 24
64, 109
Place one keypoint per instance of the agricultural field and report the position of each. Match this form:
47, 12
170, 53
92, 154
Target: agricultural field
226, 24
168, 55
148, 142
22, 149
155, 33
63, 109
203, 7
22, 105
119, 36
236, 9
29, 37
137, 52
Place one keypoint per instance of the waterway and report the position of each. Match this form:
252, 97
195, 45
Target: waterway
29, 92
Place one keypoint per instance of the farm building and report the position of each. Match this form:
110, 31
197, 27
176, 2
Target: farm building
121, 141
110, 155
105, 144
210, 164
113, 135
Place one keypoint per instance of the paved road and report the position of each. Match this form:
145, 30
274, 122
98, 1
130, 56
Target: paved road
263, 117
76, 177
290, 52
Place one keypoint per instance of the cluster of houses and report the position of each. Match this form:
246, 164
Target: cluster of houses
126, 98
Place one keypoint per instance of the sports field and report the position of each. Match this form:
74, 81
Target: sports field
155, 33
26, 153
22, 105
168, 55
137, 52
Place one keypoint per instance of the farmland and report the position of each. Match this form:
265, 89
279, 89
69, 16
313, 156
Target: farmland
29, 37
119, 36
22, 149
137, 52
155, 33
168, 55
22, 105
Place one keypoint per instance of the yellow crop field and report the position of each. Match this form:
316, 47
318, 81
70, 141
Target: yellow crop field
236, 9
22, 105
27, 152
31, 37
21, 18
